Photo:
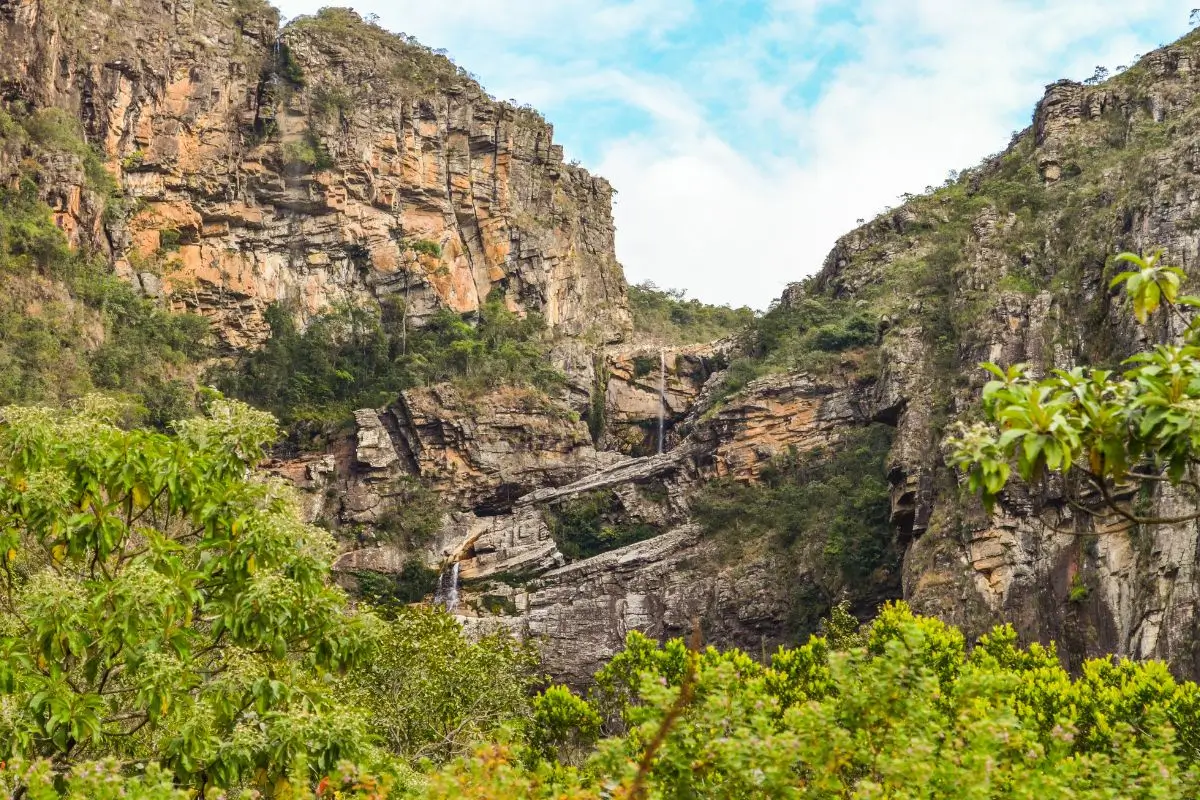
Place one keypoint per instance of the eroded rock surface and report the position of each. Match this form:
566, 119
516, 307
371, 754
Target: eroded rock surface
329, 162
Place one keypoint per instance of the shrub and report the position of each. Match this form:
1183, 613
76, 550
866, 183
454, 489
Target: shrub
644, 365
287, 67
431, 694
594, 522
55, 129
169, 240
309, 153
415, 517
425, 247
909, 714
329, 102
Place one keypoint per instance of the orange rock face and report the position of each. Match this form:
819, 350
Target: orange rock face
339, 166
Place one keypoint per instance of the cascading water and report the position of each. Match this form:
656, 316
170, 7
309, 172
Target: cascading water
662, 396
447, 590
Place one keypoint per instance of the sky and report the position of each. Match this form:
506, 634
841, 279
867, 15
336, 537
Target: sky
745, 136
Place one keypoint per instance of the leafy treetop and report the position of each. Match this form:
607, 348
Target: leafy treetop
1108, 433
159, 600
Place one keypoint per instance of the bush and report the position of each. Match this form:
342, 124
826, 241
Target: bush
415, 517
55, 129
594, 522
309, 153
330, 102
425, 247
644, 365
431, 694
910, 714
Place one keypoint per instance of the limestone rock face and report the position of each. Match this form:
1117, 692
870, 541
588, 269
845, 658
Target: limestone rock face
327, 163
640, 382
581, 612
489, 450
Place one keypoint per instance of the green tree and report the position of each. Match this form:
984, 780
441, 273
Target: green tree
432, 694
908, 714
159, 600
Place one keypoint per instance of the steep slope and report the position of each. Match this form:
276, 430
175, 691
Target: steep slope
344, 205
1010, 262
1007, 262
329, 163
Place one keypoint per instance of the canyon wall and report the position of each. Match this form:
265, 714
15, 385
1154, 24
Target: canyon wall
326, 163
331, 164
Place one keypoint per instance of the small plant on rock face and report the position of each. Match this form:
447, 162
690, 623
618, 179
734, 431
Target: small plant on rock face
644, 365
593, 523
169, 240
425, 247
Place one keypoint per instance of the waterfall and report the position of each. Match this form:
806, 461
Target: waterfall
447, 589
662, 396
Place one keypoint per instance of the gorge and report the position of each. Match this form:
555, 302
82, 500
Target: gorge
328, 173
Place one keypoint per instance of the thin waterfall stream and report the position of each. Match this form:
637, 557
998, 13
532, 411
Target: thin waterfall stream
447, 589
662, 396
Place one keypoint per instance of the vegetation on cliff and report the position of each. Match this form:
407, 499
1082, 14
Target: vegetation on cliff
828, 511
355, 358
812, 333
68, 325
595, 522
667, 316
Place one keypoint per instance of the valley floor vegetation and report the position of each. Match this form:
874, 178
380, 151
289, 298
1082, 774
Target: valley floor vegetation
168, 629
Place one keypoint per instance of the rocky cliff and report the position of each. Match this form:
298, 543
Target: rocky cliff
747, 484
325, 163
1011, 263
1007, 262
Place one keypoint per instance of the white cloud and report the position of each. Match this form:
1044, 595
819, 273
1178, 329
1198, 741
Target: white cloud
731, 227
703, 205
